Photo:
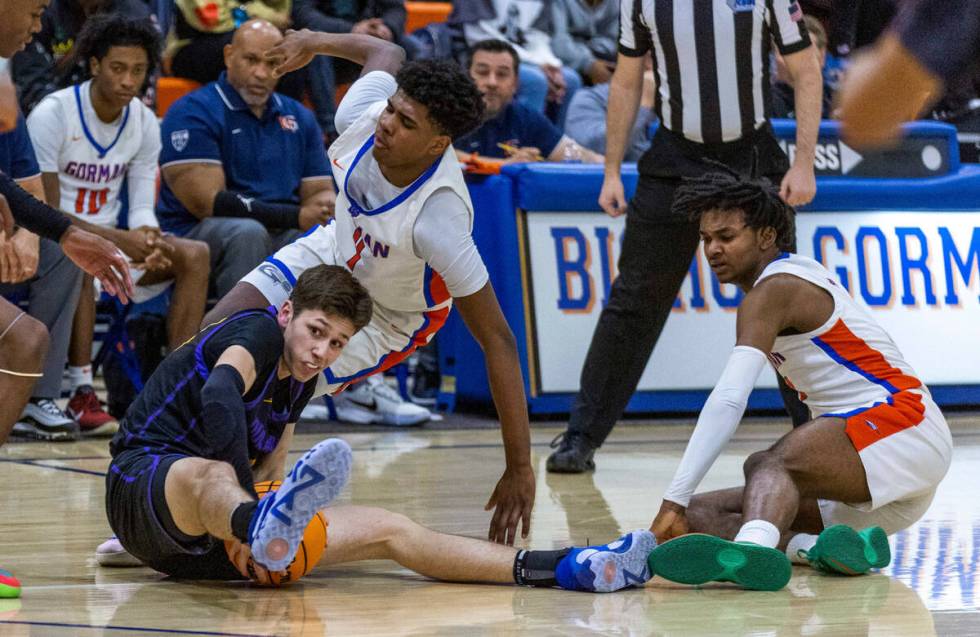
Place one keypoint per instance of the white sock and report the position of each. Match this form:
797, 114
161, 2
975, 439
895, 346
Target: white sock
759, 532
78, 376
797, 543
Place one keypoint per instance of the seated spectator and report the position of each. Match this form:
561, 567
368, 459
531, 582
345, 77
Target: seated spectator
203, 28
383, 19
39, 269
511, 132
90, 138
244, 168
47, 64
584, 36
783, 96
586, 122
546, 86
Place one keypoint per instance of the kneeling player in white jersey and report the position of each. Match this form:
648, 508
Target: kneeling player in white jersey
402, 225
827, 493
89, 139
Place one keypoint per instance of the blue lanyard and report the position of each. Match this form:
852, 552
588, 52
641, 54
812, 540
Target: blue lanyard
88, 134
355, 208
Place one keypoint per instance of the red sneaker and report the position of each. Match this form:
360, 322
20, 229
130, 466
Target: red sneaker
87, 411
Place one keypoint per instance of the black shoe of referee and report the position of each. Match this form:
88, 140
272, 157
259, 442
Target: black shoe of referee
574, 454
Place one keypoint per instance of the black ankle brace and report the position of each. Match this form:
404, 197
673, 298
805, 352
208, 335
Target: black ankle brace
241, 519
537, 568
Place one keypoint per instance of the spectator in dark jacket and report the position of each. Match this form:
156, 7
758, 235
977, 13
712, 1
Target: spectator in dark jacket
46, 65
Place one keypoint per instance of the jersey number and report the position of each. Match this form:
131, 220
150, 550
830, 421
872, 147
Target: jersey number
96, 199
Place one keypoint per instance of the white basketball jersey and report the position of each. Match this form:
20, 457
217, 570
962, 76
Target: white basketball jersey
849, 362
376, 245
94, 156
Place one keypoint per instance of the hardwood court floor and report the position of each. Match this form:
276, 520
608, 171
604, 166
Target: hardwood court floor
52, 505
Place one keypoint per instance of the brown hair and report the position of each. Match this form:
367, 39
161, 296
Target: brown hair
333, 290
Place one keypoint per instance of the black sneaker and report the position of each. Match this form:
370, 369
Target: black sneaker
574, 454
42, 419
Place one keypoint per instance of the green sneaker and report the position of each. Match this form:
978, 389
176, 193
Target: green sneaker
697, 558
841, 549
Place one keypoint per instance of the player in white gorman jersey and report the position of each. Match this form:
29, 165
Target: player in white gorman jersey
827, 493
89, 139
402, 225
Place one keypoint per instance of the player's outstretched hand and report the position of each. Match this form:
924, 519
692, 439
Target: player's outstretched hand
511, 501
295, 51
671, 522
101, 259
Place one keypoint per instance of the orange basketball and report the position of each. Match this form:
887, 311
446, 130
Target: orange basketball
310, 549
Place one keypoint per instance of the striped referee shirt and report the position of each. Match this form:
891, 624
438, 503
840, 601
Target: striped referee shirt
711, 59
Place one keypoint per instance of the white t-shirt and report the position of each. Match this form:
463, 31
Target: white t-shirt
441, 236
92, 158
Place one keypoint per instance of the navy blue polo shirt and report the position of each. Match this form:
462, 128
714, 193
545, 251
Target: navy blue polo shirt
516, 125
17, 159
265, 158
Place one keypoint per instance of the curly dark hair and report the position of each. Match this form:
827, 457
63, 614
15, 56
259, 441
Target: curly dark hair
455, 105
106, 30
757, 198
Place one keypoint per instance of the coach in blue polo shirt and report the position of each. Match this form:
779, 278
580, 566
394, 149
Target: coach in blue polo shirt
244, 168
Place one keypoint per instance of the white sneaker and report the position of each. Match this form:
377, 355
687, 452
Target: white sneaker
375, 402
42, 419
315, 410
112, 553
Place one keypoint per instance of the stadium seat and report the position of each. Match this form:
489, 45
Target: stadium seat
423, 13
171, 89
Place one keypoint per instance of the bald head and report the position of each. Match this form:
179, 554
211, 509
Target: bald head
248, 70
256, 30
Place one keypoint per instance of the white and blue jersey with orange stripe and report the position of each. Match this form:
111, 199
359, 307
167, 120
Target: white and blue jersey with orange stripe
849, 364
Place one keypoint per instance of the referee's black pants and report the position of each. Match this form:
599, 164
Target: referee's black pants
656, 254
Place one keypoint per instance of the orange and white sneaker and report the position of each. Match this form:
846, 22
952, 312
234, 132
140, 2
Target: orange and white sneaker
86, 408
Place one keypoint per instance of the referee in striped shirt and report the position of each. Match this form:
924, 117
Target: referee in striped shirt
711, 62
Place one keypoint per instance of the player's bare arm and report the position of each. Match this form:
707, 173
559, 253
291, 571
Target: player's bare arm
298, 48
143, 245
513, 497
799, 185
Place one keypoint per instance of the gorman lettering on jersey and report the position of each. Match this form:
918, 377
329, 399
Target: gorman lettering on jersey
881, 265
95, 173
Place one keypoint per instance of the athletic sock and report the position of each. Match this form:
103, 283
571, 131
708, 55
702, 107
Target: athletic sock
241, 519
759, 532
800, 542
78, 376
539, 568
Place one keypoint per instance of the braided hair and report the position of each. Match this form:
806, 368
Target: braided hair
725, 189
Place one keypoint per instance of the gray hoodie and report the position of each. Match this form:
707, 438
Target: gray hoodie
581, 33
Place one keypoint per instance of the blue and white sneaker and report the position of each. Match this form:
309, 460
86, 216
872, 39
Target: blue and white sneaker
610, 567
280, 520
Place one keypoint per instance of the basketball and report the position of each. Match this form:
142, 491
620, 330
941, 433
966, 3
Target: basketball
310, 549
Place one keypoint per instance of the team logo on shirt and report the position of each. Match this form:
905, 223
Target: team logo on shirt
288, 123
741, 5
179, 139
